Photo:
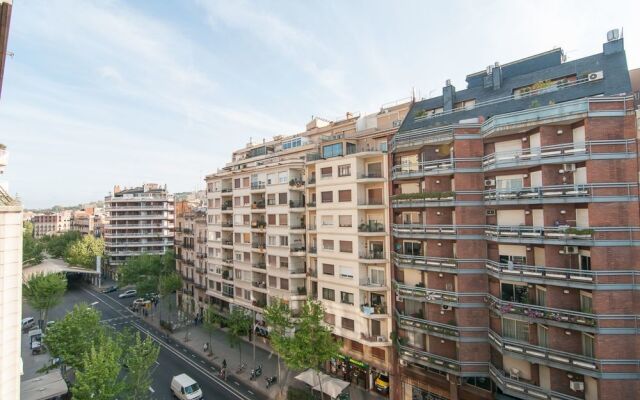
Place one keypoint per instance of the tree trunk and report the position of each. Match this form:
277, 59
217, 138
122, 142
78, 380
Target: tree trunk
320, 383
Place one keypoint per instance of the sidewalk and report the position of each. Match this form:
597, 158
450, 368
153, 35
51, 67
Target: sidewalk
198, 336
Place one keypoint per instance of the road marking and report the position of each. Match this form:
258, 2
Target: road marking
250, 392
151, 389
237, 383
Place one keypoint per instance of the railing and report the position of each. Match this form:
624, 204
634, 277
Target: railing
311, 181
297, 249
371, 202
311, 204
372, 175
260, 205
421, 292
586, 191
558, 233
441, 230
258, 245
372, 255
431, 327
542, 313
227, 242
372, 226
420, 260
372, 284
313, 250
259, 284
296, 204
520, 386
373, 310
259, 224
312, 227
544, 354
226, 207
429, 358
257, 185
296, 182
434, 166
297, 226
259, 265
494, 160
373, 338
227, 224
227, 190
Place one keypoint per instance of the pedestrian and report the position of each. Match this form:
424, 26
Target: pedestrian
205, 347
224, 363
195, 320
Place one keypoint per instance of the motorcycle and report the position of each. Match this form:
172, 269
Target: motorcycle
271, 380
256, 372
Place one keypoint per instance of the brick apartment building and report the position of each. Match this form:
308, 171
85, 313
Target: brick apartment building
515, 234
138, 220
53, 223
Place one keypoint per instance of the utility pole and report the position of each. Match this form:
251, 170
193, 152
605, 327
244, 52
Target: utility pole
253, 336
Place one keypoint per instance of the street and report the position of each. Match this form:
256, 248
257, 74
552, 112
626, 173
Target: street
173, 359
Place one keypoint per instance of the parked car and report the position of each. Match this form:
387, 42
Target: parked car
382, 383
50, 323
185, 388
151, 296
27, 324
137, 303
110, 289
128, 293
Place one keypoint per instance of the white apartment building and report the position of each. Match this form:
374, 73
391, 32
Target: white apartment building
307, 216
191, 256
138, 220
11, 299
52, 223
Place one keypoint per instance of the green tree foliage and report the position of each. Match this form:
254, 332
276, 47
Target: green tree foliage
57, 245
140, 358
83, 252
151, 273
278, 318
32, 249
99, 379
211, 321
239, 325
74, 336
43, 292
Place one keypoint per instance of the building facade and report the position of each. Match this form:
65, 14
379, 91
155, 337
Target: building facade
515, 234
306, 216
139, 220
53, 223
11, 299
89, 221
191, 256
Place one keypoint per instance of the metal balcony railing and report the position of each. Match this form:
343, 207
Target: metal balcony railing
431, 327
586, 192
372, 255
257, 185
430, 295
534, 312
424, 261
519, 386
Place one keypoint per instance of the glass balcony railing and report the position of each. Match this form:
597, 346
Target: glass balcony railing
424, 262
503, 307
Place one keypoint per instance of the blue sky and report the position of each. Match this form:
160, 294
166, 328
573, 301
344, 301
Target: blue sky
124, 92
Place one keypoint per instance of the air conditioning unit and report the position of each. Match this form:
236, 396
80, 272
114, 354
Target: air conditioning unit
490, 211
569, 250
444, 307
489, 182
576, 386
568, 167
594, 76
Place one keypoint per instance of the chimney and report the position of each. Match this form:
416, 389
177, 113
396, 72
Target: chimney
448, 96
116, 189
497, 76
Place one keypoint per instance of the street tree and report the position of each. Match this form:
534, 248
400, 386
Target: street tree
139, 359
239, 325
83, 252
74, 335
312, 345
211, 321
279, 320
43, 292
32, 249
99, 377
57, 245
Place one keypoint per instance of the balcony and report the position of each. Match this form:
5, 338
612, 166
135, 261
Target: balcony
227, 206
259, 284
418, 231
227, 244
423, 199
372, 256
259, 265
297, 251
259, 225
372, 227
259, 247
371, 203
311, 181
415, 323
226, 190
561, 235
257, 206
375, 340
296, 184
296, 204
311, 204
372, 285
376, 310
371, 177
521, 388
561, 153
420, 262
545, 315
563, 194
446, 166
546, 356
297, 227
430, 359
313, 250
257, 186
421, 293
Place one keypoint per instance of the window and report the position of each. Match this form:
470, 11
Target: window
282, 198
412, 248
297, 142
587, 345
272, 240
272, 261
541, 296
273, 281
283, 177
271, 219
327, 220
284, 262
328, 269
237, 256
513, 259
346, 246
327, 197
379, 353
376, 277
515, 329
328, 294
245, 182
282, 219
344, 170
245, 200
346, 272
358, 347
284, 240
271, 179
344, 195
236, 183
516, 293
347, 324
237, 237
344, 221
374, 170
236, 201
330, 318
543, 336
585, 262
332, 150
327, 244
271, 199
326, 172
284, 284
346, 298
586, 302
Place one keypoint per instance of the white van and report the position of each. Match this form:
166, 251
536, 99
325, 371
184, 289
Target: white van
185, 388
28, 323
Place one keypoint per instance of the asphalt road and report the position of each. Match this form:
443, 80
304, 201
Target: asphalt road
173, 359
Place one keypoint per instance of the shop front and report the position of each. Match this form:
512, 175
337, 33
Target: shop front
357, 372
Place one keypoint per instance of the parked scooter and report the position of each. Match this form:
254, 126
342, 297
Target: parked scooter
256, 372
271, 381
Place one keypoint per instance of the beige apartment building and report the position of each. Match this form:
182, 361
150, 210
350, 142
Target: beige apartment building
53, 223
89, 221
139, 220
11, 299
307, 216
191, 256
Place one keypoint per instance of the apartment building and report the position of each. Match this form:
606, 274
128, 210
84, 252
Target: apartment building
139, 220
191, 256
306, 215
89, 221
52, 223
11, 299
515, 234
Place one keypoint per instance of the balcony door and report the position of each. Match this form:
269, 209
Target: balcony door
374, 196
